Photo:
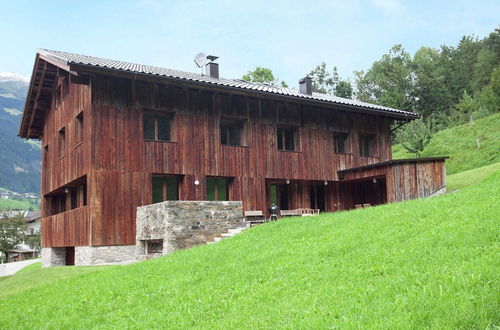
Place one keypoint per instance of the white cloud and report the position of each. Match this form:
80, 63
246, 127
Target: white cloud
8, 76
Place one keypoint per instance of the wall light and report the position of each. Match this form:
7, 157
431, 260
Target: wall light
374, 180
196, 182
287, 181
325, 183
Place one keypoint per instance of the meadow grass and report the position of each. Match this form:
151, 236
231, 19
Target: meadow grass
34, 276
459, 143
430, 263
466, 178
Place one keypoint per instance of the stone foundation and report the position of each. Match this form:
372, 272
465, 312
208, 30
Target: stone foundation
53, 256
184, 224
105, 255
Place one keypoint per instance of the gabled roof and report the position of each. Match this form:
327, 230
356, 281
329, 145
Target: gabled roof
79, 63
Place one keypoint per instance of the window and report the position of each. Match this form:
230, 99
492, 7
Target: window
217, 189
64, 87
287, 138
154, 246
165, 188
366, 145
46, 157
57, 97
340, 142
79, 128
157, 126
232, 132
62, 141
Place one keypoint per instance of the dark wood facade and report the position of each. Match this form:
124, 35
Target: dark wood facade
98, 167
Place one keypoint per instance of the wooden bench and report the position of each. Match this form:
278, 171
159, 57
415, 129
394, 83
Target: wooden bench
290, 213
308, 212
254, 217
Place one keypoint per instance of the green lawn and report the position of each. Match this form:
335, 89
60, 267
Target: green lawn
460, 144
430, 263
466, 178
34, 276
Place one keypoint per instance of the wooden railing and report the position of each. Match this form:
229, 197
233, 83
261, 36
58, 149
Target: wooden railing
70, 228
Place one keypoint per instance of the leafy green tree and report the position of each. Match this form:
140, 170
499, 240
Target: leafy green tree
12, 232
344, 89
263, 75
430, 93
329, 83
389, 81
34, 240
414, 136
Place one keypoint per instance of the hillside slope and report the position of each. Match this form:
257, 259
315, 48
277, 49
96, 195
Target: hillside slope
19, 159
424, 263
460, 144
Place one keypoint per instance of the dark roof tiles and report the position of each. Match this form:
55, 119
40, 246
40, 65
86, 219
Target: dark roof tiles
77, 59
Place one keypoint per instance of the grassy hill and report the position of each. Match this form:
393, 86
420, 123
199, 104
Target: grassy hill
460, 144
466, 178
424, 263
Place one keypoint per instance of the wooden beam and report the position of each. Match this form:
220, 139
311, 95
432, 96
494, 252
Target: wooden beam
33, 114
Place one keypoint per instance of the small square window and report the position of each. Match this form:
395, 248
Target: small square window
366, 142
165, 188
157, 126
154, 246
287, 138
232, 132
340, 141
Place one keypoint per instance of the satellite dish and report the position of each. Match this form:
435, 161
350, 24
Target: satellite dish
201, 60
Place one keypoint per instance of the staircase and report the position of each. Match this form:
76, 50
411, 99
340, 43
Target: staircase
230, 233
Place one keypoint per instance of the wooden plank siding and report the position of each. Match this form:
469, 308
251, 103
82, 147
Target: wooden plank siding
118, 163
70, 228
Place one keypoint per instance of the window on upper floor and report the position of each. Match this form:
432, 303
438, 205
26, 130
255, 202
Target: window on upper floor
366, 145
62, 141
165, 188
340, 143
79, 128
57, 97
287, 138
64, 87
232, 132
157, 126
46, 157
217, 189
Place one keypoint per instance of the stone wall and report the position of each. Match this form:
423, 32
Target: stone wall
184, 224
104, 255
55, 256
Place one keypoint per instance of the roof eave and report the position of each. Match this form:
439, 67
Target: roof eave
85, 68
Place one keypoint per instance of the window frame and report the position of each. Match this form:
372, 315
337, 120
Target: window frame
80, 120
370, 138
226, 123
346, 143
62, 142
283, 145
156, 133
164, 183
227, 184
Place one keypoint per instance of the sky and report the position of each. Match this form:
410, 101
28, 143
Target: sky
289, 37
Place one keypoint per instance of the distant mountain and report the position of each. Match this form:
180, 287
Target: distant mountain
19, 158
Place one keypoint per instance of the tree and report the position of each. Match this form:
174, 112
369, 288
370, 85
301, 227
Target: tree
12, 232
263, 75
389, 81
329, 83
414, 136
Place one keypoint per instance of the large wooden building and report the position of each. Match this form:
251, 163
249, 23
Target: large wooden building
117, 135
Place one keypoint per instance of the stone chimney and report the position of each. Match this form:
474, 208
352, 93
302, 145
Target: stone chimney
305, 85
